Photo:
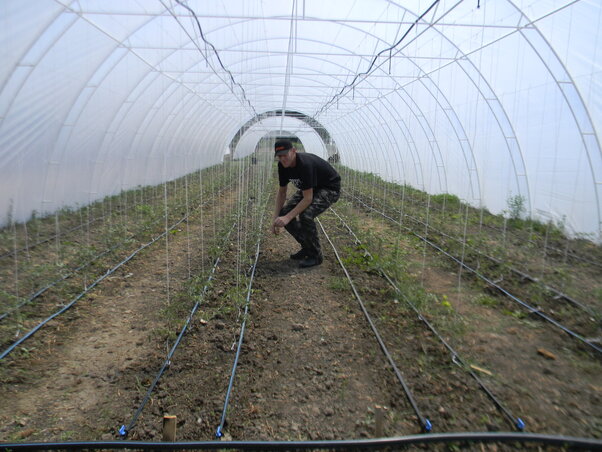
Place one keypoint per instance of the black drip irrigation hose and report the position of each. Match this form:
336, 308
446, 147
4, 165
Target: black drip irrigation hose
220, 427
517, 422
108, 273
424, 422
556, 292
123, 430
569, 253
33, 245
395, 443
492, 283
49, 286
81, 295
52, 284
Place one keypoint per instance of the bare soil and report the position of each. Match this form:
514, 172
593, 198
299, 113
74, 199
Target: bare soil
310, 366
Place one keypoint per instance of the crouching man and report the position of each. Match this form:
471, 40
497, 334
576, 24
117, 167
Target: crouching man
318, 186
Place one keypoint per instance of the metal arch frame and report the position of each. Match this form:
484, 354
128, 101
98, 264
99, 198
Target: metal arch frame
573, 107
142, 125
368, 127
320, 130
492, 110
82, 107
460, 134
301, 77
26, 52
179, 82
206, 57
255, 125
68, 9
26, 78
382, 121
121, 112
505, 119
421, 123
131, 50
592, 147
150, 118
563, 92
426, 129
120, 45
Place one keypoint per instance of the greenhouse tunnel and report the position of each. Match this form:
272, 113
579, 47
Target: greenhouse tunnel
137, 247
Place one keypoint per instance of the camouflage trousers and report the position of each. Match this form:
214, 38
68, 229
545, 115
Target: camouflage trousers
303, 228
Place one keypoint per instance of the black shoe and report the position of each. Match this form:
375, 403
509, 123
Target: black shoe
302, 254
310, 262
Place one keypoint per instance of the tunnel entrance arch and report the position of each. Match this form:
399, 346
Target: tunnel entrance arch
329, 143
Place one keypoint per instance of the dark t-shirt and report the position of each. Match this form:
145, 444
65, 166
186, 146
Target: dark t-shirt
310, 171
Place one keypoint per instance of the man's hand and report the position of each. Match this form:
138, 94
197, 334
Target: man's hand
280, 222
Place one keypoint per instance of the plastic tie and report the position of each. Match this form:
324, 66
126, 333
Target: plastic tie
218, 433
123, 431
520, 424
427, 425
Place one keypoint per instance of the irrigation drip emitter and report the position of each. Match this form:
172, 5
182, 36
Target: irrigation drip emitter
491, 283
123, 430
517, 422
90, 287
220, 427
425, 423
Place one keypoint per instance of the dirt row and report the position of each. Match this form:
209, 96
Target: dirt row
73, 380
540, 374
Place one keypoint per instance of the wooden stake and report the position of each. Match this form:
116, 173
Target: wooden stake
169, 427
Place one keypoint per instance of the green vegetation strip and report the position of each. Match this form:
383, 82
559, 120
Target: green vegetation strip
493, 284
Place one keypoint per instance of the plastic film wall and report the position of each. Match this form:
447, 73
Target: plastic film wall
484, 99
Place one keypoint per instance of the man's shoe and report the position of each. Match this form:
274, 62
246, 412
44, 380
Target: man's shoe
310, 262
302, 254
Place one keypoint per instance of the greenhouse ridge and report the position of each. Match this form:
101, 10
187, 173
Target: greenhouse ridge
488, 101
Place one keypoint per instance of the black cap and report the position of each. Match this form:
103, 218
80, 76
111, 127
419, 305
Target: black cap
281, 147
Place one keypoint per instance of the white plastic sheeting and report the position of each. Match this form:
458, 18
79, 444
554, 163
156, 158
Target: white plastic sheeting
481, 98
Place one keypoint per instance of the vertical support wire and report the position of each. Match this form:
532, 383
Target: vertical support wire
461, 264
16, 258
166, 215
202, 235
426, 233
187, 226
